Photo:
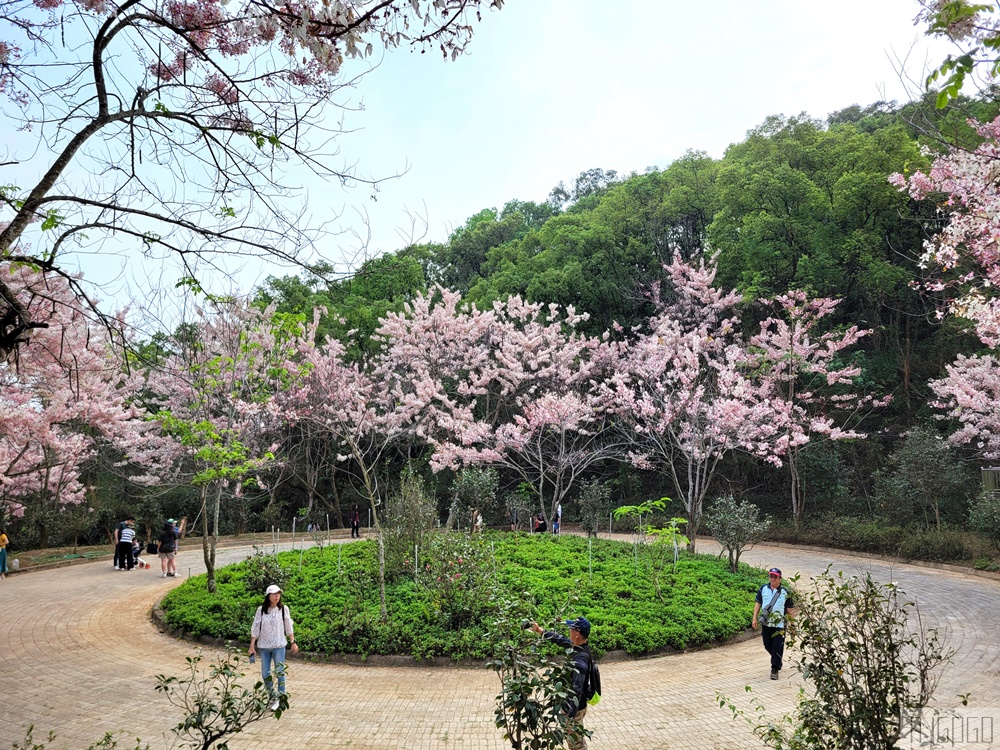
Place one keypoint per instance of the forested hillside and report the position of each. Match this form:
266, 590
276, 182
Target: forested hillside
800, 204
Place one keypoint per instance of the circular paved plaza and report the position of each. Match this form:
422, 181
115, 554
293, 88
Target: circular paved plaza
79, 656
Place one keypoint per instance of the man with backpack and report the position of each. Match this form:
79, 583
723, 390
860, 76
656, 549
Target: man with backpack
586, 680
774, 605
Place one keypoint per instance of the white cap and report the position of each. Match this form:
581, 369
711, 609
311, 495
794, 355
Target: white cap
273, 589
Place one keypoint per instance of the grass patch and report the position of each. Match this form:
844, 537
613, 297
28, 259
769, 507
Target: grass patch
337, 611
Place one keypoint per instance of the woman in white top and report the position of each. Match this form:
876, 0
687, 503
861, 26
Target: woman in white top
271, 625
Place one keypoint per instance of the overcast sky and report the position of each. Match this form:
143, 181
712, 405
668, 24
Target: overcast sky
550, 88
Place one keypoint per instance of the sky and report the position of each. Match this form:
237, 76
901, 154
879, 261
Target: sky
550, 88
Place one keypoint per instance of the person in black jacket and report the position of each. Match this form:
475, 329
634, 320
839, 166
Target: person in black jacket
166, 549
355, 522
576, 708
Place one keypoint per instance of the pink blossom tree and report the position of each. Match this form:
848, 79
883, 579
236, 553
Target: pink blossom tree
812, 387
964, 257
516, 387
219, 400
359, 417
683, 393
64, 398
197, 116
969, 395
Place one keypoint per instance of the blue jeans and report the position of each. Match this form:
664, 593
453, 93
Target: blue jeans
269, 656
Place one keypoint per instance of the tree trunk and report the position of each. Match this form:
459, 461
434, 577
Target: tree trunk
370, 487
798, 501
336, 500
210, 534
383, 609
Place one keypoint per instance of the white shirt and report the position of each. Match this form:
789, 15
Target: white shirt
270, 629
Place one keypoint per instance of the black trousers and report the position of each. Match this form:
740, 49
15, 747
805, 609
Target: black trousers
125, 555
355, 533
774, 644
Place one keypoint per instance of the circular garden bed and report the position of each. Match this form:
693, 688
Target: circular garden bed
638, 601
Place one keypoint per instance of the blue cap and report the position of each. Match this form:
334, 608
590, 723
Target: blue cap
582, 624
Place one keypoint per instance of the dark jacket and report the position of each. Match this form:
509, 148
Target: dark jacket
168, 539
582, 661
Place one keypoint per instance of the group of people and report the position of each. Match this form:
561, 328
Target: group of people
128, 547
273, 631
538, 523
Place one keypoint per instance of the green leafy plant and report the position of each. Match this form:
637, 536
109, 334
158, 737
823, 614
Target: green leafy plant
735, 526
108, 742
536, 681
29, 742
595, 504
459, 574
667, 540
262, 570
475, 488
410, 516
984, 516
520, 503
214, 701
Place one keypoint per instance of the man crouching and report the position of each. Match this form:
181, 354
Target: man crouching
576, 707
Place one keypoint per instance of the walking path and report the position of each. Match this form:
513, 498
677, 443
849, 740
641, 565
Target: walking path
79, 656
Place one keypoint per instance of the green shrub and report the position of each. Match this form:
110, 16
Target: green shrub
735, 525
458, 573
260, 571
947, 546
984, 515
595, 505
924, 482
408, 518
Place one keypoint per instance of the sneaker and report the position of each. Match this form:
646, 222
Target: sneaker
774, 674
116, 567
164, 575
273, 705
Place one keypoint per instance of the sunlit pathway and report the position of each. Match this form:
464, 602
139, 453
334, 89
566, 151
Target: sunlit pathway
78, 655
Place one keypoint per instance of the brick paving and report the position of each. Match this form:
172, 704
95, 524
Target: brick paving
79, 656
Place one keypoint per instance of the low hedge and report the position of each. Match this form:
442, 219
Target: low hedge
873, 537
337, 611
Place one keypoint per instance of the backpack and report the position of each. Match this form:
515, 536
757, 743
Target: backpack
592, 688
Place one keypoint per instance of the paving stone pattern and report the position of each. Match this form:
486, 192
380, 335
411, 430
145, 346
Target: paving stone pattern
79, 656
